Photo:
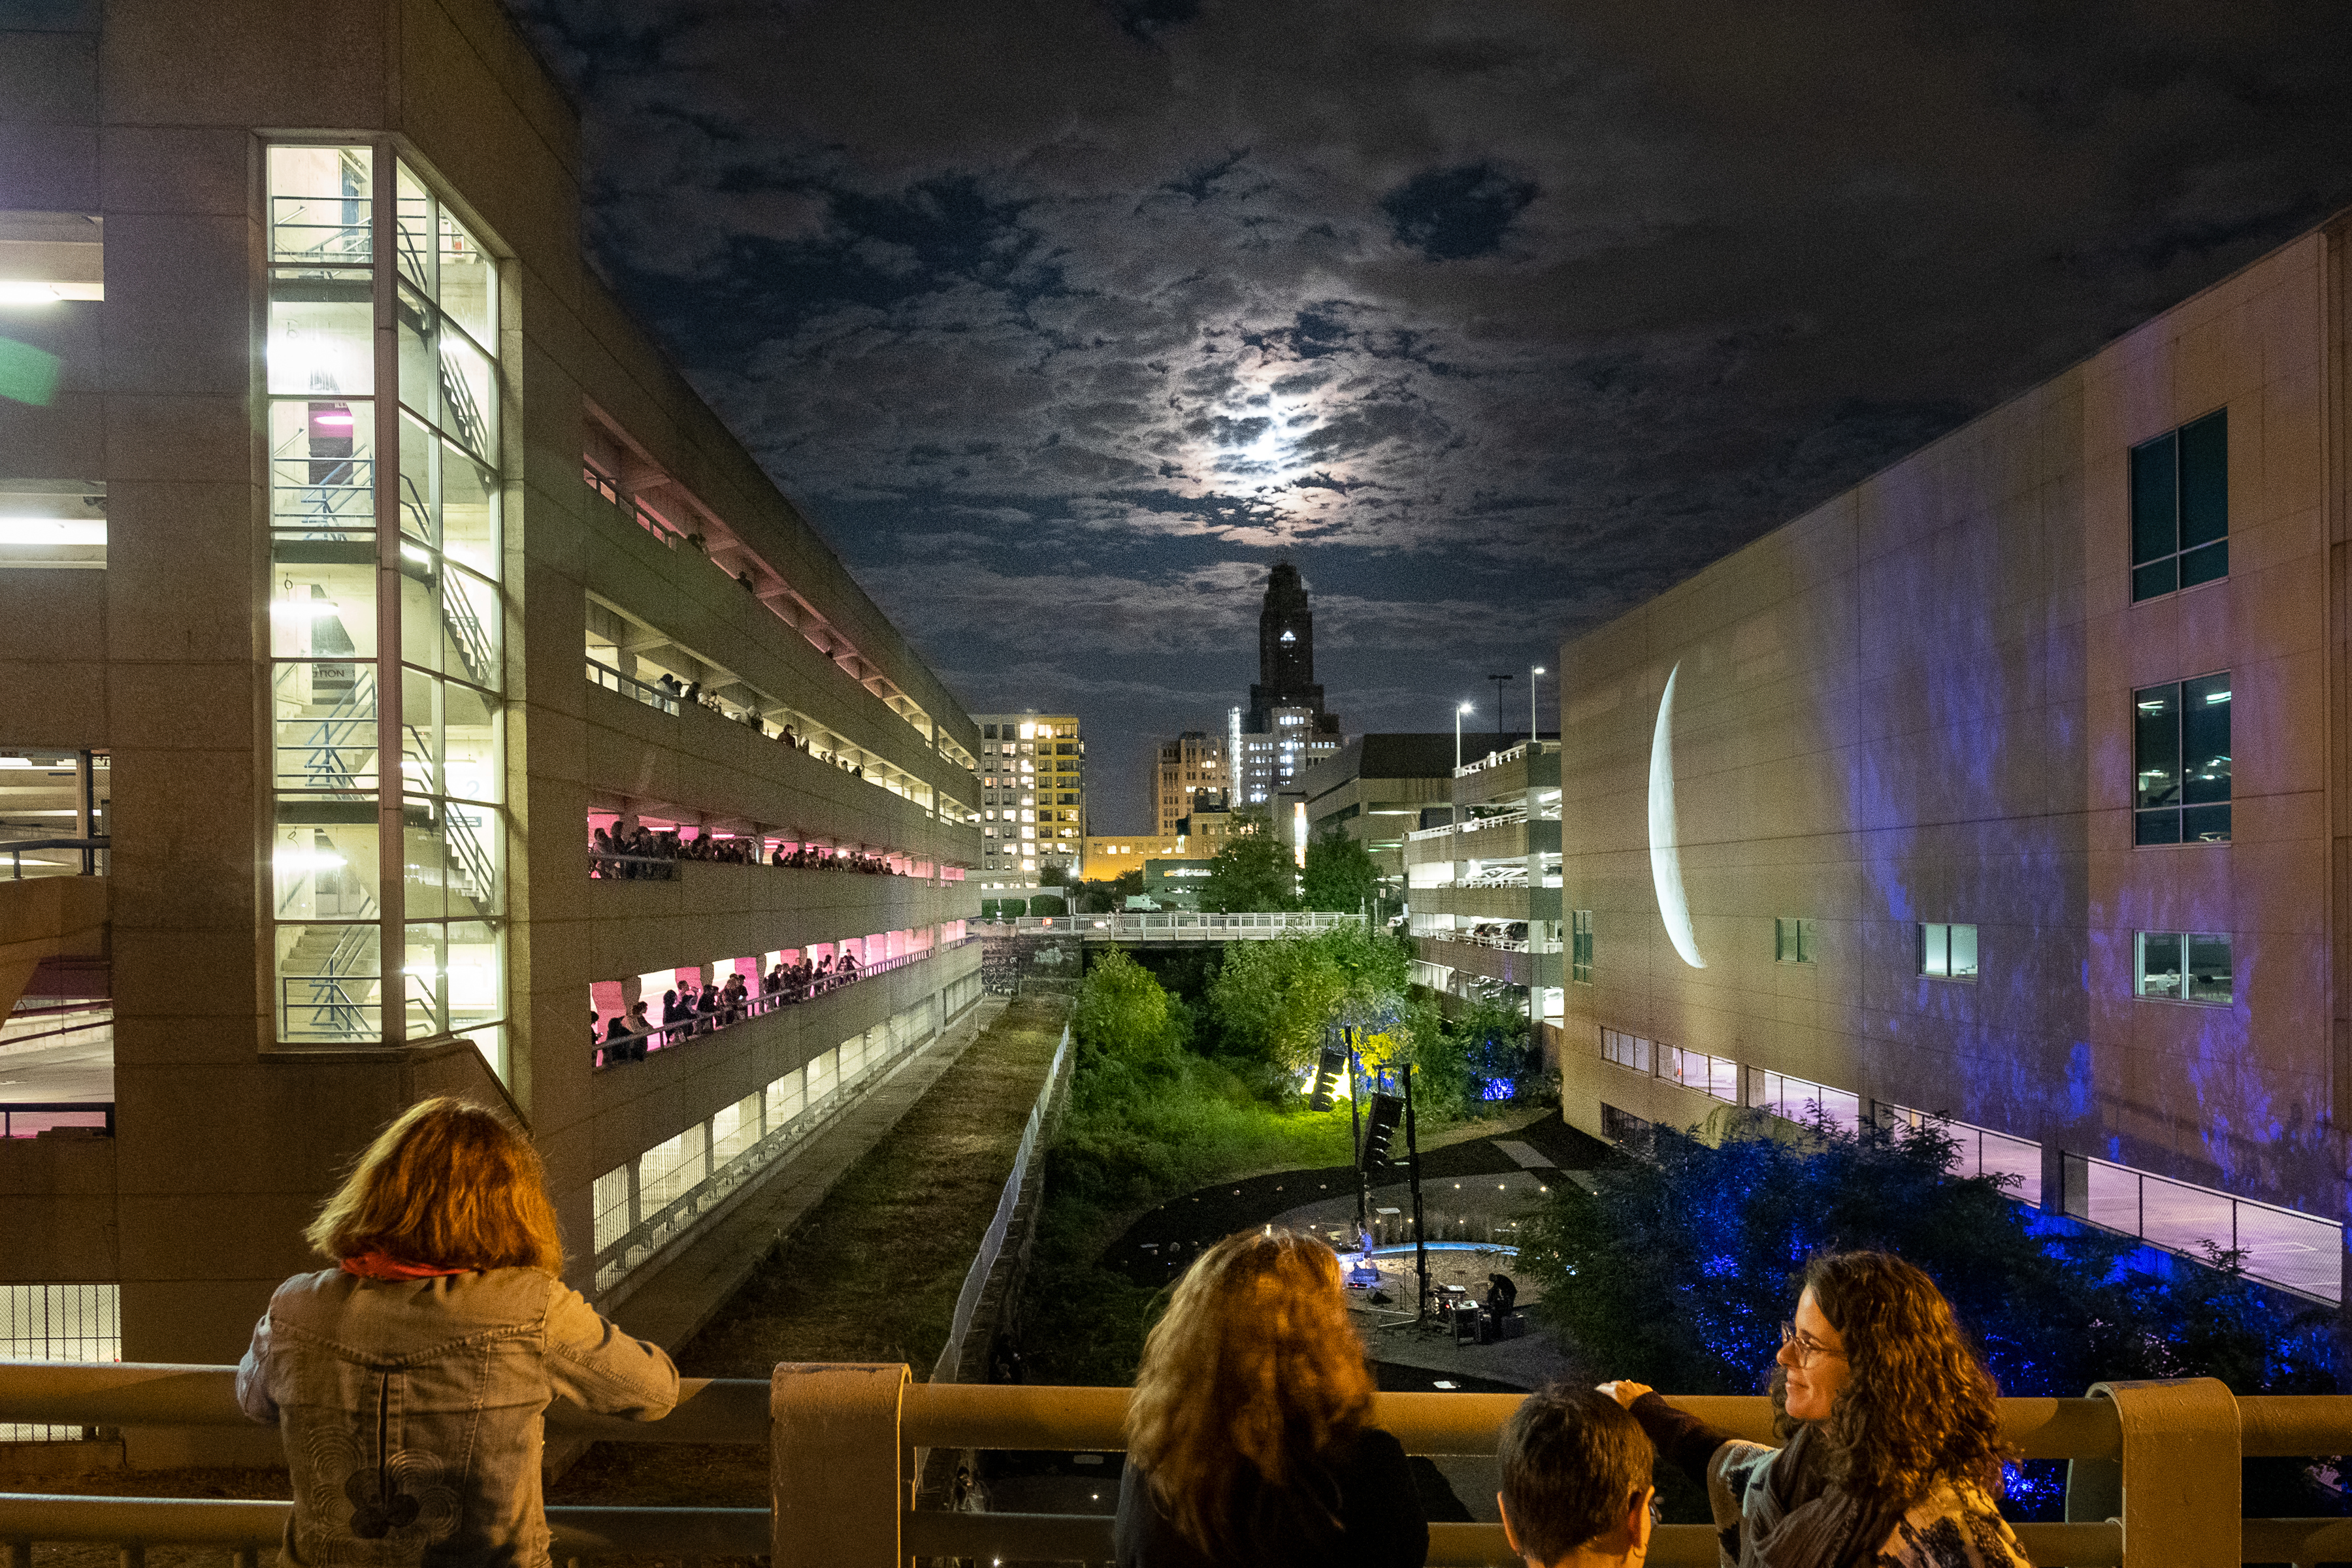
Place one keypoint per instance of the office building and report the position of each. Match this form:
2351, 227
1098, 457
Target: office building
1106, 860
1375, 790
1191, 763
327, 458
2005, 788
1285, 731
1032, 798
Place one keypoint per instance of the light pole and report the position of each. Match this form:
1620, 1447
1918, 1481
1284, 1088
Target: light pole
1533, 670
1499, 737
1459, 710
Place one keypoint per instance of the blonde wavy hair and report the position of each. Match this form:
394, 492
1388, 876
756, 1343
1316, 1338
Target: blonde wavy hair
450, 1186
1255, 1373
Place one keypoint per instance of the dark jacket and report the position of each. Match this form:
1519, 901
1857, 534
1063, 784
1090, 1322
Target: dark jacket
1380, 1522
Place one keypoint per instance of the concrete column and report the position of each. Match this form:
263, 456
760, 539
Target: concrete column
2177, 1484
837, 1486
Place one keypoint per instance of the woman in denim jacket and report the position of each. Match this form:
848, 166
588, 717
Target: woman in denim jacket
410, 1382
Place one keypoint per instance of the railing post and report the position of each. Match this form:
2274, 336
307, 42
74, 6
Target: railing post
2177, 1485
839, 1469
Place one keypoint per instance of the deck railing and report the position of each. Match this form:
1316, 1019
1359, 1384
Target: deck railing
2155, 1482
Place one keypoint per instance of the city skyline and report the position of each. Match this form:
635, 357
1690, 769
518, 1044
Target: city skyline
1062, 325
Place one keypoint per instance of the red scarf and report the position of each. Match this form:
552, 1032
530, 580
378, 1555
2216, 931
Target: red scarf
383, 1266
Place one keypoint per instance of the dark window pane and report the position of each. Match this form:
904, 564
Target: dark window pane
2155, 499
2205, 739
2209, 563
2209, 967
2205, 480
2159, 964
2156, 746
2148, 582
2205, 825
2158, 827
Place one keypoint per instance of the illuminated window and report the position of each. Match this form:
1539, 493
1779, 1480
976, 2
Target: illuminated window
1947, 952
2183, 966
1579, 948
2180, 761
2180, 507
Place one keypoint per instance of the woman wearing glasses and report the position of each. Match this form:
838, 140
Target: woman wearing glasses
1893, 1448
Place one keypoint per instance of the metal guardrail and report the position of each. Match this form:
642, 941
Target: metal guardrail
1500, 819
666, 1037
604, 868
841, 1439
1174, 923
630, 687
1505, 758
88, 846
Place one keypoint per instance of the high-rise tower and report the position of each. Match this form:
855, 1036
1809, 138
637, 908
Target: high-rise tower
1285, 649
1288, 727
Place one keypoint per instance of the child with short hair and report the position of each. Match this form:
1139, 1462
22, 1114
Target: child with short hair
1577, 1489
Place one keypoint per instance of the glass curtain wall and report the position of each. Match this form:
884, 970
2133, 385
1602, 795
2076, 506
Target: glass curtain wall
385, 614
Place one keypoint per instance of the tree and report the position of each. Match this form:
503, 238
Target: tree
1339, 873
1676, 1266
1251, 871
1273, 1000
1481, 1053
1056, 877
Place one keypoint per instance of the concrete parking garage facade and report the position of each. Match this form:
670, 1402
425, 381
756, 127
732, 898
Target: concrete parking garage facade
376, 458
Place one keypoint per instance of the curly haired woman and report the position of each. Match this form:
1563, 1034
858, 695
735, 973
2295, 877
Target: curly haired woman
1249, 1434
1894, 1447
409, 1382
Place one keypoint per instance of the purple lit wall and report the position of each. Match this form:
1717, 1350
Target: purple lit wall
1915, 703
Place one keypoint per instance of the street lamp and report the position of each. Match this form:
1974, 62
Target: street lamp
1464, 708
1533, 670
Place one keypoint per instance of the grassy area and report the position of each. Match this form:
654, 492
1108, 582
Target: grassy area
871, 1273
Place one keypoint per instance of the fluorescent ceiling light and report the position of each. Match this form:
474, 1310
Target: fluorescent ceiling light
52, 530
21, 292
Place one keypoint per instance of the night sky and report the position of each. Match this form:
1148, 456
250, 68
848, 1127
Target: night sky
1062, 319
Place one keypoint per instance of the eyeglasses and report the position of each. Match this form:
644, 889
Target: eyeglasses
1657, 1507
1808, 1349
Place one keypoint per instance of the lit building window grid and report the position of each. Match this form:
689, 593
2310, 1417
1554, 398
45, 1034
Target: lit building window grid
332, 720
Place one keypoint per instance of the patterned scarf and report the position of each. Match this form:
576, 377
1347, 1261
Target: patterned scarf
1794, 1518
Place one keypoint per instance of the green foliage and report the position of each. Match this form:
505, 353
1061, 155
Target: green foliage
1048, 904
1339, 873
1273, 1000
1149, 1119
1054, 876
1484, 1044
1677, 1268
1252, 871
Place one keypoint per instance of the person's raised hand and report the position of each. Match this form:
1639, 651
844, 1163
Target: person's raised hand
1625, 1391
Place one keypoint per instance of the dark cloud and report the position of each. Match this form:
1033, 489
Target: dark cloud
1061, 318
1450, 215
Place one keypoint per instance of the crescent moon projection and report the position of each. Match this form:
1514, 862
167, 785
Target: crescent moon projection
1665, 856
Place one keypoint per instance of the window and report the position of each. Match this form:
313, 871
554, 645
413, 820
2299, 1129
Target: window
1947, 952
1792, 941
2180, 761
1580, 946
1626, 1050
2161, 973
2180, 507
